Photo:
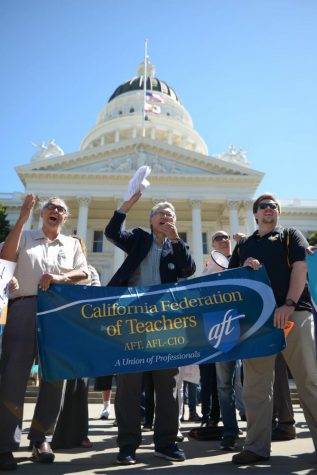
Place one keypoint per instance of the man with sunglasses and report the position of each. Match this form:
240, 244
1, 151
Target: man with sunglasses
223, 376
43, 257
282, 252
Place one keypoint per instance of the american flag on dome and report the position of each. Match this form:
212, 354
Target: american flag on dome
154, 97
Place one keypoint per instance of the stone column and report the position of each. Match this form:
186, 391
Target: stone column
117, 136
197, 248
82, 217
233, 218
249, 217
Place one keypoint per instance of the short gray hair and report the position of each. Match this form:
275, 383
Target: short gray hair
162, 206
53, 198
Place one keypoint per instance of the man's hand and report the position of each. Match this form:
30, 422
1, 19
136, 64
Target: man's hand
13, 284
46, 280
9, 250
127, 205
281, 316
169, 230
310, 249
238, 236
27, 207
253, 263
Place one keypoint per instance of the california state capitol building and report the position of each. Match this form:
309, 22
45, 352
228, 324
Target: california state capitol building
209, 192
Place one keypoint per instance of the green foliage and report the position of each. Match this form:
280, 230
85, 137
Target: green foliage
4, 223
312, 238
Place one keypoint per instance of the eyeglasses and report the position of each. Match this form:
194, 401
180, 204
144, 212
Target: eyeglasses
167, 214
267, 205
221, 237
60, 209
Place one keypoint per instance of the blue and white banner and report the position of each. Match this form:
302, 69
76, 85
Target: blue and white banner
92, 331
312, 277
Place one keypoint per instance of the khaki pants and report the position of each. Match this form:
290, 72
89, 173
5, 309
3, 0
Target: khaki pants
19, 349
300, 355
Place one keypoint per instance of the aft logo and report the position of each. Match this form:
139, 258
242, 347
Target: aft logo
222, 329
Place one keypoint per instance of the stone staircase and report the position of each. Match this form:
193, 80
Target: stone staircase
94, 397
294, 393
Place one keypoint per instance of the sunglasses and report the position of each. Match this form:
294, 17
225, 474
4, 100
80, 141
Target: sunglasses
60, 209
221, 237
267, 205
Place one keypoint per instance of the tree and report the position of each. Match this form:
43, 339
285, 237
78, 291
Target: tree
312, 238
4, 223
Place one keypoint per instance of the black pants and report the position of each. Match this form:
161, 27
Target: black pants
127, 407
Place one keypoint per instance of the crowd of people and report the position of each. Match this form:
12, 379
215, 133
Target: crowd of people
46, 256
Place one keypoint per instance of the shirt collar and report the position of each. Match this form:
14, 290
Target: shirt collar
39, 234
155, 240
276, 230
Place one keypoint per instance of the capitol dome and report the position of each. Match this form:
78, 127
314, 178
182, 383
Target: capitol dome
158, 115
152, 84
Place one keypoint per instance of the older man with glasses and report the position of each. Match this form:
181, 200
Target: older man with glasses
282, 252
43, 257
152, 258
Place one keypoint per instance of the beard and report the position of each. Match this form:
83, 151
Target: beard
269, 220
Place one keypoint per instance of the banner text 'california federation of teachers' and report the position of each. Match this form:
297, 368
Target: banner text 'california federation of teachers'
93, 331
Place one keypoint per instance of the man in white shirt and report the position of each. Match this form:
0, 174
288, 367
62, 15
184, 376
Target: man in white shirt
43, 257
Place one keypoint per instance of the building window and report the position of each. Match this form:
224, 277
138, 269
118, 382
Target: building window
132, 109
183, 236
205, 243
98, 241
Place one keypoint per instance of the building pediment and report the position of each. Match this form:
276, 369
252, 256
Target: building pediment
125, 158
128, 164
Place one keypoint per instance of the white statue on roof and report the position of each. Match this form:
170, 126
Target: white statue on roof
235, 155
49, 150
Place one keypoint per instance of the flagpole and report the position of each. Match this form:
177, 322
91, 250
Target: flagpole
144, 86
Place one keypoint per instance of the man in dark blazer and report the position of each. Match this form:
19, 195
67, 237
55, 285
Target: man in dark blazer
152, 258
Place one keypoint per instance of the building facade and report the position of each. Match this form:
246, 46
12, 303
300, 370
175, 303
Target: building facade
151, 128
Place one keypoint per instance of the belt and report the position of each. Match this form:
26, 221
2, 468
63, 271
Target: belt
21, 298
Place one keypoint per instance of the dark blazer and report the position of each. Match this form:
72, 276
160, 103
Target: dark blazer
176, 261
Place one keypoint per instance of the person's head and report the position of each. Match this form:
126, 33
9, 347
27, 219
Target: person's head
161, 213
82, 244
266, 209
220, 241
54, 213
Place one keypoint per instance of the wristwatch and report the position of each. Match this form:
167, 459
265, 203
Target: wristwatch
290, 303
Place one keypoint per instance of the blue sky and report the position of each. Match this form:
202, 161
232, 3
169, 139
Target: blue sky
245, 70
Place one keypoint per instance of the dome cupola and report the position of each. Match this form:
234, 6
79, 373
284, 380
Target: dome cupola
155, 112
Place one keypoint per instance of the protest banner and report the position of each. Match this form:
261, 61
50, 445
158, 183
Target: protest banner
312, 277
91, 331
